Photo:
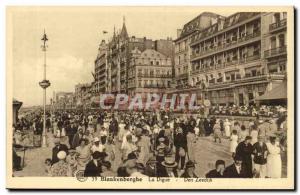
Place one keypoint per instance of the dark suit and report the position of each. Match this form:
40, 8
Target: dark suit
231, 172
151, 172
91, 170
214, 174
259, 151
57, 149
180, 141
186, 175
245, 152
163, 173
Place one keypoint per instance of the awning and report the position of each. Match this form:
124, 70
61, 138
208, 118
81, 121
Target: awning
278, 93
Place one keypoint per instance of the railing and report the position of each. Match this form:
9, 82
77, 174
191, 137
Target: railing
182, 75
226, 45
226, 64
248, 79
277, 25
156, 86
154, 76
275, 51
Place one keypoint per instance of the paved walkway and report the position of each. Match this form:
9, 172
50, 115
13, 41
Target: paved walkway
207, 152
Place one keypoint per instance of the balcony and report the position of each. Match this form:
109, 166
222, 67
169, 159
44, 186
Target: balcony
157, 86
275, 52
277, 25
226, 46
247, 59
183, 75
154, 76
246, 80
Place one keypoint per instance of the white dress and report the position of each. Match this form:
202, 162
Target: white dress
273, 161
227, 129
233, 142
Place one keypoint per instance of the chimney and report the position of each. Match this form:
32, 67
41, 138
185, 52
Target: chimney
179, 32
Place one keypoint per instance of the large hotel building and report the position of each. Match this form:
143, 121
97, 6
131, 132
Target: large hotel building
227, 60
133, 65
236, 59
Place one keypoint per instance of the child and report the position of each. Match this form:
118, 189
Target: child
233, 142
217, 131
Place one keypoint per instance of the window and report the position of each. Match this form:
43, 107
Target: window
140, 72
157, 72
146, 71
151, 63
281, 40
151, 72
273, 42
157, 62
179, 60
276, 17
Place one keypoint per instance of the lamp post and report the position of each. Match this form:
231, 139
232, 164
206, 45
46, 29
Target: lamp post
44, 84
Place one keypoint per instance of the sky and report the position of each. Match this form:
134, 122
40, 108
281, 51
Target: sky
74, 35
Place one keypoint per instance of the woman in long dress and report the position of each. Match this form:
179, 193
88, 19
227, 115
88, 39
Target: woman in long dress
274, 159
233, 142
227, 125
217, 131
191, 140
84, 154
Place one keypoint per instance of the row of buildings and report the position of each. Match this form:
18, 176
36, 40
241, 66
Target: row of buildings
234, 59
227, 60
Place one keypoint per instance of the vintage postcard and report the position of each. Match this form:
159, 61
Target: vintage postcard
150, 98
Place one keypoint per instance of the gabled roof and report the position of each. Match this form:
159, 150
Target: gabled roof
152, 53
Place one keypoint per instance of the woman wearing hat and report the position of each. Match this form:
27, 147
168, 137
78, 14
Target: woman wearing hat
61, 168
169, 168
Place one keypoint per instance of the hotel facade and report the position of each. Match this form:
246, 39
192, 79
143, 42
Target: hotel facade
237, 59
133, 65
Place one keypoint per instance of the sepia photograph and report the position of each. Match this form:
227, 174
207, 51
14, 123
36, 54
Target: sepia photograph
150, 97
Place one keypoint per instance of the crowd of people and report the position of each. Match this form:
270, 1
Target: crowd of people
252, 110
153, 144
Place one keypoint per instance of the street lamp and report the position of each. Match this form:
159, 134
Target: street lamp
44, 84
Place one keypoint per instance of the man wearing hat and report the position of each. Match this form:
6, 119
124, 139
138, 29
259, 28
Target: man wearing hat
245, 150
189, 170
57, 148
218, 172
260, 152
236, 170
93, 168
151, 167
